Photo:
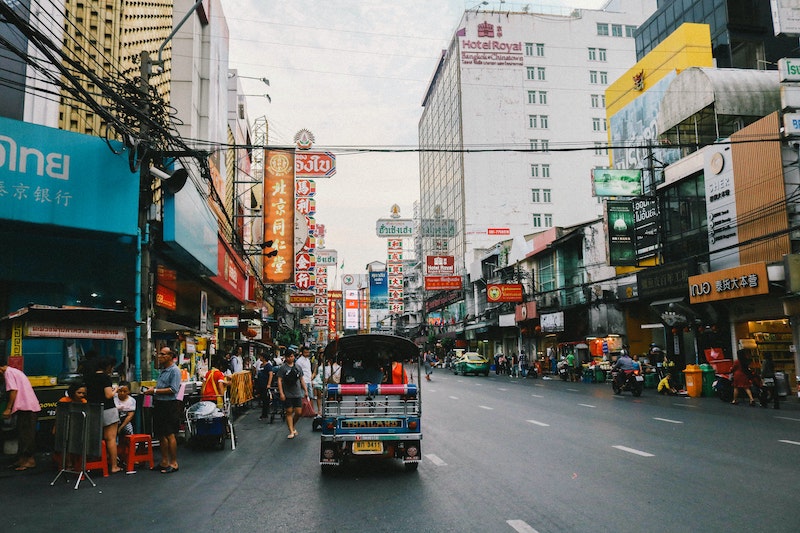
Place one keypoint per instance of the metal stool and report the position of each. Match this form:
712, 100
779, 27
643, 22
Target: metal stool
130, 450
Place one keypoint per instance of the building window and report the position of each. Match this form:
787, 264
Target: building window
601, 54
543, 97
629, 31
598, 124
593, 77
603, 78
534, 144
600, 149
535, 198
532, 121
545, 145
543, 121
546, 196
540, 49
537, 220
531, 97
595, 100
602, 28
540, 73
616, 30
535, 171
546, 174
548, 220
528, 49
531, 73
592, 54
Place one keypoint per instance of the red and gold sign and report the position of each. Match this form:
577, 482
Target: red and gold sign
504, 292
279, 216
442, 283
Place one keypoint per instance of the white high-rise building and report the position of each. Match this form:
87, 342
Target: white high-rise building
514, 118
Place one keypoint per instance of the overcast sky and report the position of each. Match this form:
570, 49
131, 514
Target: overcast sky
354, 73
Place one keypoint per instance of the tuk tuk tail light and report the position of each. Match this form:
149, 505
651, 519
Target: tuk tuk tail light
412, 424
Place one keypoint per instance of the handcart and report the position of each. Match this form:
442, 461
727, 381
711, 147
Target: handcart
276, 407
207, 424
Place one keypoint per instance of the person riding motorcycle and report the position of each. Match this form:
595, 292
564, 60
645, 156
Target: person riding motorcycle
624, 364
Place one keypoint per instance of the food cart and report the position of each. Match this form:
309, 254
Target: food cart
48, 344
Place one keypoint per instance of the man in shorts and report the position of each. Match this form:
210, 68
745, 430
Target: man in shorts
166, 413
292, 389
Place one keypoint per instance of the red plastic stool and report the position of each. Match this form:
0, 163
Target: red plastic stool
101, 463
129, 448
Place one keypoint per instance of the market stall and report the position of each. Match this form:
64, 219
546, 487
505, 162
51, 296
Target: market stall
50, 343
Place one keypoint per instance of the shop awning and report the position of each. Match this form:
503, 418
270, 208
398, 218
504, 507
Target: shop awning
86, 316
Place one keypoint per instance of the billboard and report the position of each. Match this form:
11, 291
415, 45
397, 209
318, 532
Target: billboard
645, 216
616, 182
442, 283
440, 265
620, 228
378, 290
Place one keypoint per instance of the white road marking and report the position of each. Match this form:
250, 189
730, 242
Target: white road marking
685, 405
573, 390
668, 420
501, 388
788, 418
453, 397
486, 407
435, 459
790, 442
537, 395
538, 423
631, 450
538, 384
587, 405
521, 526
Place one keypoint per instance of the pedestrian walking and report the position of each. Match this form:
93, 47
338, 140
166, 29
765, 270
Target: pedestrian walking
22, 404
428, 361
292, 390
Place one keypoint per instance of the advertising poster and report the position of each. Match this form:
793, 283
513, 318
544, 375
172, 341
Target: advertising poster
619, 216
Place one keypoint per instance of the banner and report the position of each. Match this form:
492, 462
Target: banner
279, 216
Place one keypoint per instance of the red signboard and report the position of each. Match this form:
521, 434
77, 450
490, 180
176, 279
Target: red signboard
166, 298
314, 164
232, 271
440, 265
442, 283
498, 231
525, 311
504, 292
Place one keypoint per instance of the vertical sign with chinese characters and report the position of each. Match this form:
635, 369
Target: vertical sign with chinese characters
279, 216
394, 275
305, 262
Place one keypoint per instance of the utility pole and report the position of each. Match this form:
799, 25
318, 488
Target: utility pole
144, 293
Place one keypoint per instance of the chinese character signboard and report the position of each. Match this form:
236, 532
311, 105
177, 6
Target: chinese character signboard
279, 215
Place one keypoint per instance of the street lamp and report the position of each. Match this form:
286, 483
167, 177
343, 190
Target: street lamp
237, 75
265, 95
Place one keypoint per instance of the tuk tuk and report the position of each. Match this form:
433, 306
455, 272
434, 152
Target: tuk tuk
374, 407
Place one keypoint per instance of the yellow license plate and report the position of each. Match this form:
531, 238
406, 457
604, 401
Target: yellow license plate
367, 446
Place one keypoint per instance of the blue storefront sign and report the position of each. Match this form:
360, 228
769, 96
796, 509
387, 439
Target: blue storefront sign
56, 177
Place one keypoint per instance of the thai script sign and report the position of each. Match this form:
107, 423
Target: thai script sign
504, 292
394, 227
442, 283
73, 332
314, 164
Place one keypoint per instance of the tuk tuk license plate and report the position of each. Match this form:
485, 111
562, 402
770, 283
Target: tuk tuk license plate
367, 447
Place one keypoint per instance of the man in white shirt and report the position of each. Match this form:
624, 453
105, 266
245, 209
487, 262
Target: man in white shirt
236, 361
304, 362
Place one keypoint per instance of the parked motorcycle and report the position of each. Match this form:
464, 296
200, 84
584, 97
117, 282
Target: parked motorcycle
627, 380
563, 370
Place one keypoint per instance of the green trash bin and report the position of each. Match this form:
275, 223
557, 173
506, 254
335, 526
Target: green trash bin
599, 375
708, 379
650, 381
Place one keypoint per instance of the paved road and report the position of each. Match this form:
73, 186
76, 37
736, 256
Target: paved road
500, 454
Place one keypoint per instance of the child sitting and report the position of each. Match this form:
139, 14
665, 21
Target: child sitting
126, 406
